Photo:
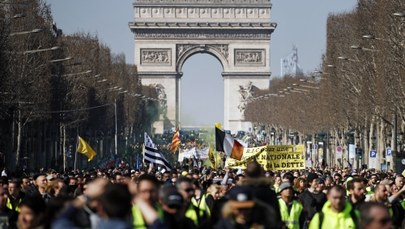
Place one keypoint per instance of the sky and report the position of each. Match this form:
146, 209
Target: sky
299, 22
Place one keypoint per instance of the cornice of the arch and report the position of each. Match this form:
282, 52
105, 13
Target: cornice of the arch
184, 51
203, 2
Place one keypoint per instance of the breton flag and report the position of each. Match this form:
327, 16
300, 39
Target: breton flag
227, 144
152, 155
84, 148
175, 141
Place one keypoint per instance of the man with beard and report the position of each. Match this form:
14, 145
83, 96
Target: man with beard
356, 189
395, 209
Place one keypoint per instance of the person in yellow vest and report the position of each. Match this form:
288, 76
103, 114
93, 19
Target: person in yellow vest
336, 213
8, 217
172, 203
200, 217
15, 195
290, 209
372, 183
146, 190
206, 201
242, 210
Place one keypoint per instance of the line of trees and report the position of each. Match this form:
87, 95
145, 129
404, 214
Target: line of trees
54, 87
358, 93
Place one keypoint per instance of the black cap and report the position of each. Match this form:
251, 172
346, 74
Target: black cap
241, 197
173, 198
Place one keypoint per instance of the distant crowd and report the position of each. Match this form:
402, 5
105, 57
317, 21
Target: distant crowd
203, 198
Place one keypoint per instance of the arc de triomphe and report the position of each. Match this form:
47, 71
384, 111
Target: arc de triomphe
236, 32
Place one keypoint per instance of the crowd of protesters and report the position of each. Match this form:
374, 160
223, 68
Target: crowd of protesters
203, 198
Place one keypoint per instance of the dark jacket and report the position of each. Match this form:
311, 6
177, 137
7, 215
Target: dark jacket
261, 215
312, 203
356, 205
173, 222
261, 190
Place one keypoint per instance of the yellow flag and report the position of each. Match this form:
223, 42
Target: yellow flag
212, 158
85, 148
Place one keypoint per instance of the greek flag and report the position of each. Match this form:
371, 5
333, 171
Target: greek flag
152, 155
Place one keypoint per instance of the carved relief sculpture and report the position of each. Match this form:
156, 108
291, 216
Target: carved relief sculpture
246, 93
162, 97
155, 56
249, 57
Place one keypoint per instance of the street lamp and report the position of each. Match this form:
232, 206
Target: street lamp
78, 73
61, 60
399, 14
362, 48
372, 37
26, 32
42, 50
102, 80
16, 16
116, 122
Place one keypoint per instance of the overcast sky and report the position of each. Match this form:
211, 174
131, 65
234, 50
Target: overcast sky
300, 22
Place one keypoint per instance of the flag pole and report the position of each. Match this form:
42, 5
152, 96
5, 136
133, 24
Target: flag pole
75, 161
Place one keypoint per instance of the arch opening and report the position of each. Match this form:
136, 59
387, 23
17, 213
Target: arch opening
201, 90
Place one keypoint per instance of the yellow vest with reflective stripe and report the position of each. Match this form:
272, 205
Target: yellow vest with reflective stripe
138, 220
292, 218
9, 206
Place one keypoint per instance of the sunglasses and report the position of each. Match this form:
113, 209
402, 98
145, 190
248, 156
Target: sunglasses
174, 206
189, 190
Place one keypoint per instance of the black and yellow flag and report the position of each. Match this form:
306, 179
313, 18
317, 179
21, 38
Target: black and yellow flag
84, 148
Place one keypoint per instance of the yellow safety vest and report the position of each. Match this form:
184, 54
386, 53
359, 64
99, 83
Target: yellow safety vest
138, 220
9, 206
292, 218
331, 219
202, 204
191, 213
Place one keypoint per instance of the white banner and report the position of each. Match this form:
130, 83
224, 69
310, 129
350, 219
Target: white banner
202, 153
188, 153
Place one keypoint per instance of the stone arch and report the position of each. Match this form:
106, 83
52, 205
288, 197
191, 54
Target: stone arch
236, 32
220, 52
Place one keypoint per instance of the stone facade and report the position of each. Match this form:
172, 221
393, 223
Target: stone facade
168, 32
